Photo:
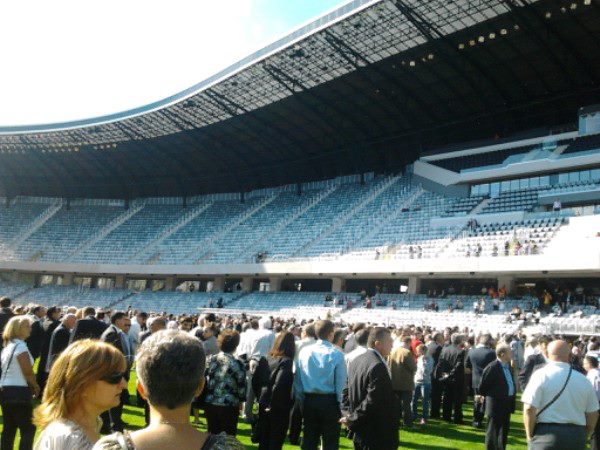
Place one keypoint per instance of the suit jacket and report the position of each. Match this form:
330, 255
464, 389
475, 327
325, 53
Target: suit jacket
477, 360
369, 403
451, 362
532, 363
49, 326
403, 368
276, 393
112, 336
59, 341
35, 339
495, 388
88, 328
144, 335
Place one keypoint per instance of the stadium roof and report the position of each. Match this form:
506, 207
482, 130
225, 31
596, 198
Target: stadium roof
366, 87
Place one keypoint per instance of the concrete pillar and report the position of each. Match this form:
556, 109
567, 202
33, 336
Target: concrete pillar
337, 284
120, 282
275, 284
247, 284
414, 285
218, 284
170, 284
67, 279
508, 282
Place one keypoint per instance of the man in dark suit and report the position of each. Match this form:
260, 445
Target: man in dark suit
89, 327
49, 325
5, 314
60, 339
369, 397
451, 373
434, 348
534, 361
499, 389
116, 336
477, 359
34, 341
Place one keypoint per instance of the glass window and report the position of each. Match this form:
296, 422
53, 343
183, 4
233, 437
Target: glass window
514, 185
573, 176
475, 190
505, 186
494, 189
524, 183
595, 174
585, 175
545, 180
484, 189
563, 177
535, 182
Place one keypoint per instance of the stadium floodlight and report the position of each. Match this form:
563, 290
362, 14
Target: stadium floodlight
461, 46
587, 2
492, 35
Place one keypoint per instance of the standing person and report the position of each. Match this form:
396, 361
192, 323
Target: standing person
361, 338
116, 336
155, 324
85, 380
369, 400
59, 340
18, 384
403, 368
138, 326
308, 338
275, 401
499, 389
5, 313
320, 380
434, 348
34, 342
225, 385
422, 383
534, 361
477, 359
590, 364
560, 407
88, 327
49, 325
451, 372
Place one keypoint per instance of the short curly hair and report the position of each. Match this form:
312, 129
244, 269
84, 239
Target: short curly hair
170, 367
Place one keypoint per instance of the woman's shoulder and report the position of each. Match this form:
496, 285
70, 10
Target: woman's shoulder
222, 441
63, 435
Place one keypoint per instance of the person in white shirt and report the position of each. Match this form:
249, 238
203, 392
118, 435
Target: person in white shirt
361, 337
590, 364
560, 407
137, 326
18, 383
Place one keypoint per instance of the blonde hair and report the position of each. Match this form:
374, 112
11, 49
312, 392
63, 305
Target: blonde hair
13, 328
81, 364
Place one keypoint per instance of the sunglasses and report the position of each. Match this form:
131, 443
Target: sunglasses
115, 378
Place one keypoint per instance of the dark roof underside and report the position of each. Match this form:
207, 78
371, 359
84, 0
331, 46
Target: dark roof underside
378, 117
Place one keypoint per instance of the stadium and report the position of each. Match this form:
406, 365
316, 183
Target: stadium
434, 163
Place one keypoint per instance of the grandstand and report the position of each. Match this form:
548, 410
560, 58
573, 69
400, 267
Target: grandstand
396, 142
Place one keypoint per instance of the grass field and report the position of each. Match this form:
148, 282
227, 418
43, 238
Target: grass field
435, 435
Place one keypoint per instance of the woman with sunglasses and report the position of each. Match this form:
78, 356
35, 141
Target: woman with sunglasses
85, 380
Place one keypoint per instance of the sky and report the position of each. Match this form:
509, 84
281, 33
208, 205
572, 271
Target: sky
66, 60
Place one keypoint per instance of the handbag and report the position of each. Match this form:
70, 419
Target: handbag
14, 394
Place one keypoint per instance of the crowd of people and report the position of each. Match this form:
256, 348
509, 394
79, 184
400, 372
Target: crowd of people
308, 382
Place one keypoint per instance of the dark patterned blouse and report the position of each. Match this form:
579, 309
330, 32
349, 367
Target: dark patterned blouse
225, 380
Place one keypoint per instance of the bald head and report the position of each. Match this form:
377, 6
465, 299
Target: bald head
559, 351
